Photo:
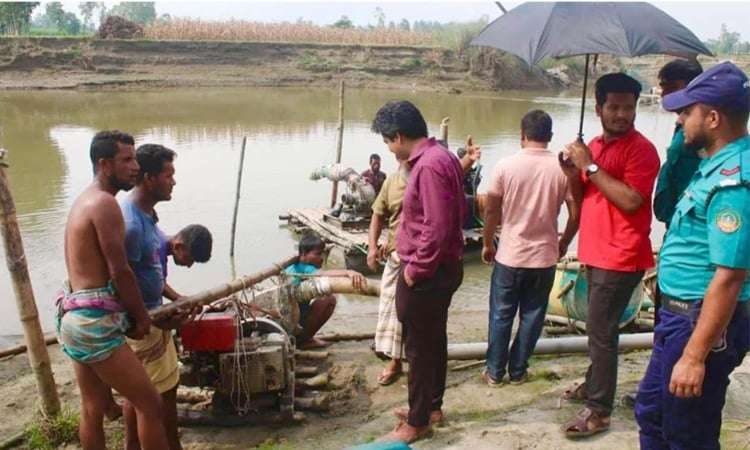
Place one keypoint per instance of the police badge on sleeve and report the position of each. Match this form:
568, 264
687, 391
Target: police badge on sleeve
728, 220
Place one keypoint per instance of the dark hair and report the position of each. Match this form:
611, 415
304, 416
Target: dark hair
399, 117
151, 158
104, 145
310, 242
680, 70
375, 156
617, 83
536, 125
737, 117
198, 239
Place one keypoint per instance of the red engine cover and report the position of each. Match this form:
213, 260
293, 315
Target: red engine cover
214, 332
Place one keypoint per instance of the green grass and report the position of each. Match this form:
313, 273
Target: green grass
314, 63
53, 32
411, 63
274, 444
50, 433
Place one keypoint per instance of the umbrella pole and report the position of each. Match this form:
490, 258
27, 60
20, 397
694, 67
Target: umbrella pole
583, 98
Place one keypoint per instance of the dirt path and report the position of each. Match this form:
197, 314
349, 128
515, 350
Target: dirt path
479, 417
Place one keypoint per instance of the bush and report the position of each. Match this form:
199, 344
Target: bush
52, 432
116, 27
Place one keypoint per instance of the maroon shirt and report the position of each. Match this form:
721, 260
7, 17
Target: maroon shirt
376, 180
432, 211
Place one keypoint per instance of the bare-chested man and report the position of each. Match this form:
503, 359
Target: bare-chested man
101, 302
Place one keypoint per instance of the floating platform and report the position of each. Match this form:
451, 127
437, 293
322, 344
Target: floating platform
350, 237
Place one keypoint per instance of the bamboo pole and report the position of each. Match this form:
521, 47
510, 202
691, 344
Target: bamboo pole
340, 337
318, 403
339, 141
14, 441
310, 354
237, 195
221, 291
307, 290
317, 381
17, 350
444, 130
19, 271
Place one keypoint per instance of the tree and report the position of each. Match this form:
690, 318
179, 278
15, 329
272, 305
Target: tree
87, 12
380, 17
404, 25
728, 42
15, 16
55, 16
139, 12
343, 22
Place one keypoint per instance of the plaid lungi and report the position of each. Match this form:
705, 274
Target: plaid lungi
388, 330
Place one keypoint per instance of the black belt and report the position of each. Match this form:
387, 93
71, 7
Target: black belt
682, 307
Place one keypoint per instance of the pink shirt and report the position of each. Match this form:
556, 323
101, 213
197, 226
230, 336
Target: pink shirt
532, 187
432, 212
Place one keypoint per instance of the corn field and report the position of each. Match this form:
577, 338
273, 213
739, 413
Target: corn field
240, 30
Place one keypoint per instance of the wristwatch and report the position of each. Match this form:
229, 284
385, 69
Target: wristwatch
591, 169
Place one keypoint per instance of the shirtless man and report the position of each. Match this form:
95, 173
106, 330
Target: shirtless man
101, 303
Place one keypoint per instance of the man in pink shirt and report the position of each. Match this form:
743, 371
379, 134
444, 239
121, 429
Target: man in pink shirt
525, 195
430, 245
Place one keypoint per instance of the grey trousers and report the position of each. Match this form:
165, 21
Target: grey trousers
608, 296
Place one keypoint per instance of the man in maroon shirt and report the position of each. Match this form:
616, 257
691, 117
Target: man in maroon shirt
374, 175
619, 169
430, 244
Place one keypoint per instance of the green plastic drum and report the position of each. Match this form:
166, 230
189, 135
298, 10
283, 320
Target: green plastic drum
569, 295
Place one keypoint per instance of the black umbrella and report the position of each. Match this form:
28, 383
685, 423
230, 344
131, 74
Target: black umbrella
534, 31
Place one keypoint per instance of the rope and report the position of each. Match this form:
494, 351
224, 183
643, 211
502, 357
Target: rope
240, 392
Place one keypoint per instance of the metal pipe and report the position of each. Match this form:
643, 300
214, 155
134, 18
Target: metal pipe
583, 98
553, 346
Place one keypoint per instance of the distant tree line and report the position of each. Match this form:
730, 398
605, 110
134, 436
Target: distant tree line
16, 17
729, 42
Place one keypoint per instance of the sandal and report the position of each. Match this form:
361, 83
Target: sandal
387, 378
586, 423
575, 393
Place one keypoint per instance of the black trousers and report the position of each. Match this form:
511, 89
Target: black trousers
423, 311
609, 294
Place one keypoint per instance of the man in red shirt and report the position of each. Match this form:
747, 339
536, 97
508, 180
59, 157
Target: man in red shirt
619, 169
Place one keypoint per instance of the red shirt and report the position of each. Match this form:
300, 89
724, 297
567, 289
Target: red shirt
610, 238
432, 211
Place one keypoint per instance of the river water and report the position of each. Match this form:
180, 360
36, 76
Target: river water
290, 132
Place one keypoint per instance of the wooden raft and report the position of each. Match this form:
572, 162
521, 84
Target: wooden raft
350, 239
354, 238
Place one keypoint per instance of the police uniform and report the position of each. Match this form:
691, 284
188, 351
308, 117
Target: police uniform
710, 227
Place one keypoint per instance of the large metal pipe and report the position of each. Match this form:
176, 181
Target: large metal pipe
553, 346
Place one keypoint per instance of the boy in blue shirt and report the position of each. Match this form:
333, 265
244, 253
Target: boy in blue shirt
315, 313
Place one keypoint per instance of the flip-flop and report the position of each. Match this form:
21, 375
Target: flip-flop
386, 378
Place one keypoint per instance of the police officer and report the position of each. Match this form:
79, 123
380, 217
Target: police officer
705, 319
